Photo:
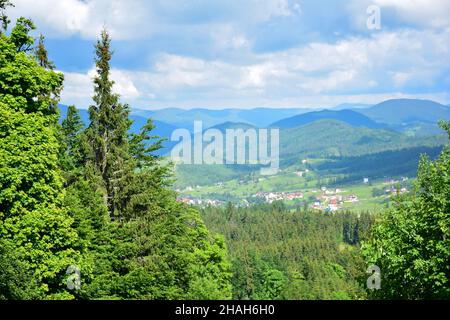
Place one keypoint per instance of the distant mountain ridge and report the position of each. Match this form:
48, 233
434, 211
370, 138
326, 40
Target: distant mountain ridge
401, 111
351, 106
259, 117
414, 118
330, 141
233, 125
333, 138
347, 116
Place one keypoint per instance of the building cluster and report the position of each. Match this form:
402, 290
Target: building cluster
200, 202
332, 201
396, 186
396, 190
396, 181
271, 197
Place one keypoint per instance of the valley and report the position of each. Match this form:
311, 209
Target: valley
298, 189
363, 151
321, 151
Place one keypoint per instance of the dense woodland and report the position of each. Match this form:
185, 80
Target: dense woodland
277, 253
99, 201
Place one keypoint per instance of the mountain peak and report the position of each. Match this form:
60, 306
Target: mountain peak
400, 111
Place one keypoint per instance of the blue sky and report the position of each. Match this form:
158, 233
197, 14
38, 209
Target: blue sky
250, 53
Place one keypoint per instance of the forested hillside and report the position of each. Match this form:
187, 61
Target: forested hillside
332, 138
356, 151
300, 255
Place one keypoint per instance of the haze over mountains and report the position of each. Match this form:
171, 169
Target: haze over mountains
407, 117
259, 117
415, 117
362, 140
403, 111
418, 118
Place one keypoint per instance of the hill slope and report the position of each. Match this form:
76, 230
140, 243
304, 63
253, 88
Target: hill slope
233, 125
405, 111
332, 138
347, 116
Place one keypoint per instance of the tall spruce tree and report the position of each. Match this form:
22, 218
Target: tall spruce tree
141, 242
108, 132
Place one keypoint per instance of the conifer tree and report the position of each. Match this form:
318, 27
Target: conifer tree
71, 156
41, 54
150, 246
108, 132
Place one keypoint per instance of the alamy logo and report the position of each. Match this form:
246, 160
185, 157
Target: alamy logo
74, 278
235, 147
374, 281
374, 17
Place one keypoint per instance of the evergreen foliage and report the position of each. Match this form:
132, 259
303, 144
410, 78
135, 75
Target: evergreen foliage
141, 243
411, 243
295, 255
99, 200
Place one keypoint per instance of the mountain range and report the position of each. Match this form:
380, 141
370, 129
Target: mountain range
347, 139
259, 117
415, 118
409, 118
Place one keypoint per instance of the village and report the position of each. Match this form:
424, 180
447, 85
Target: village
324, 199
333, 200
271, 197
200, 202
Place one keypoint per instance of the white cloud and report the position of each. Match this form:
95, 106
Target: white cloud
59, 18
227, 37
137, 19
124, 84
392, 60
387, 62
79, 88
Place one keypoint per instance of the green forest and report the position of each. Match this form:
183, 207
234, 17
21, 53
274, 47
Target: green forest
88, 213
293, 255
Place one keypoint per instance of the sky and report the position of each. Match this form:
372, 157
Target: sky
250, 53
